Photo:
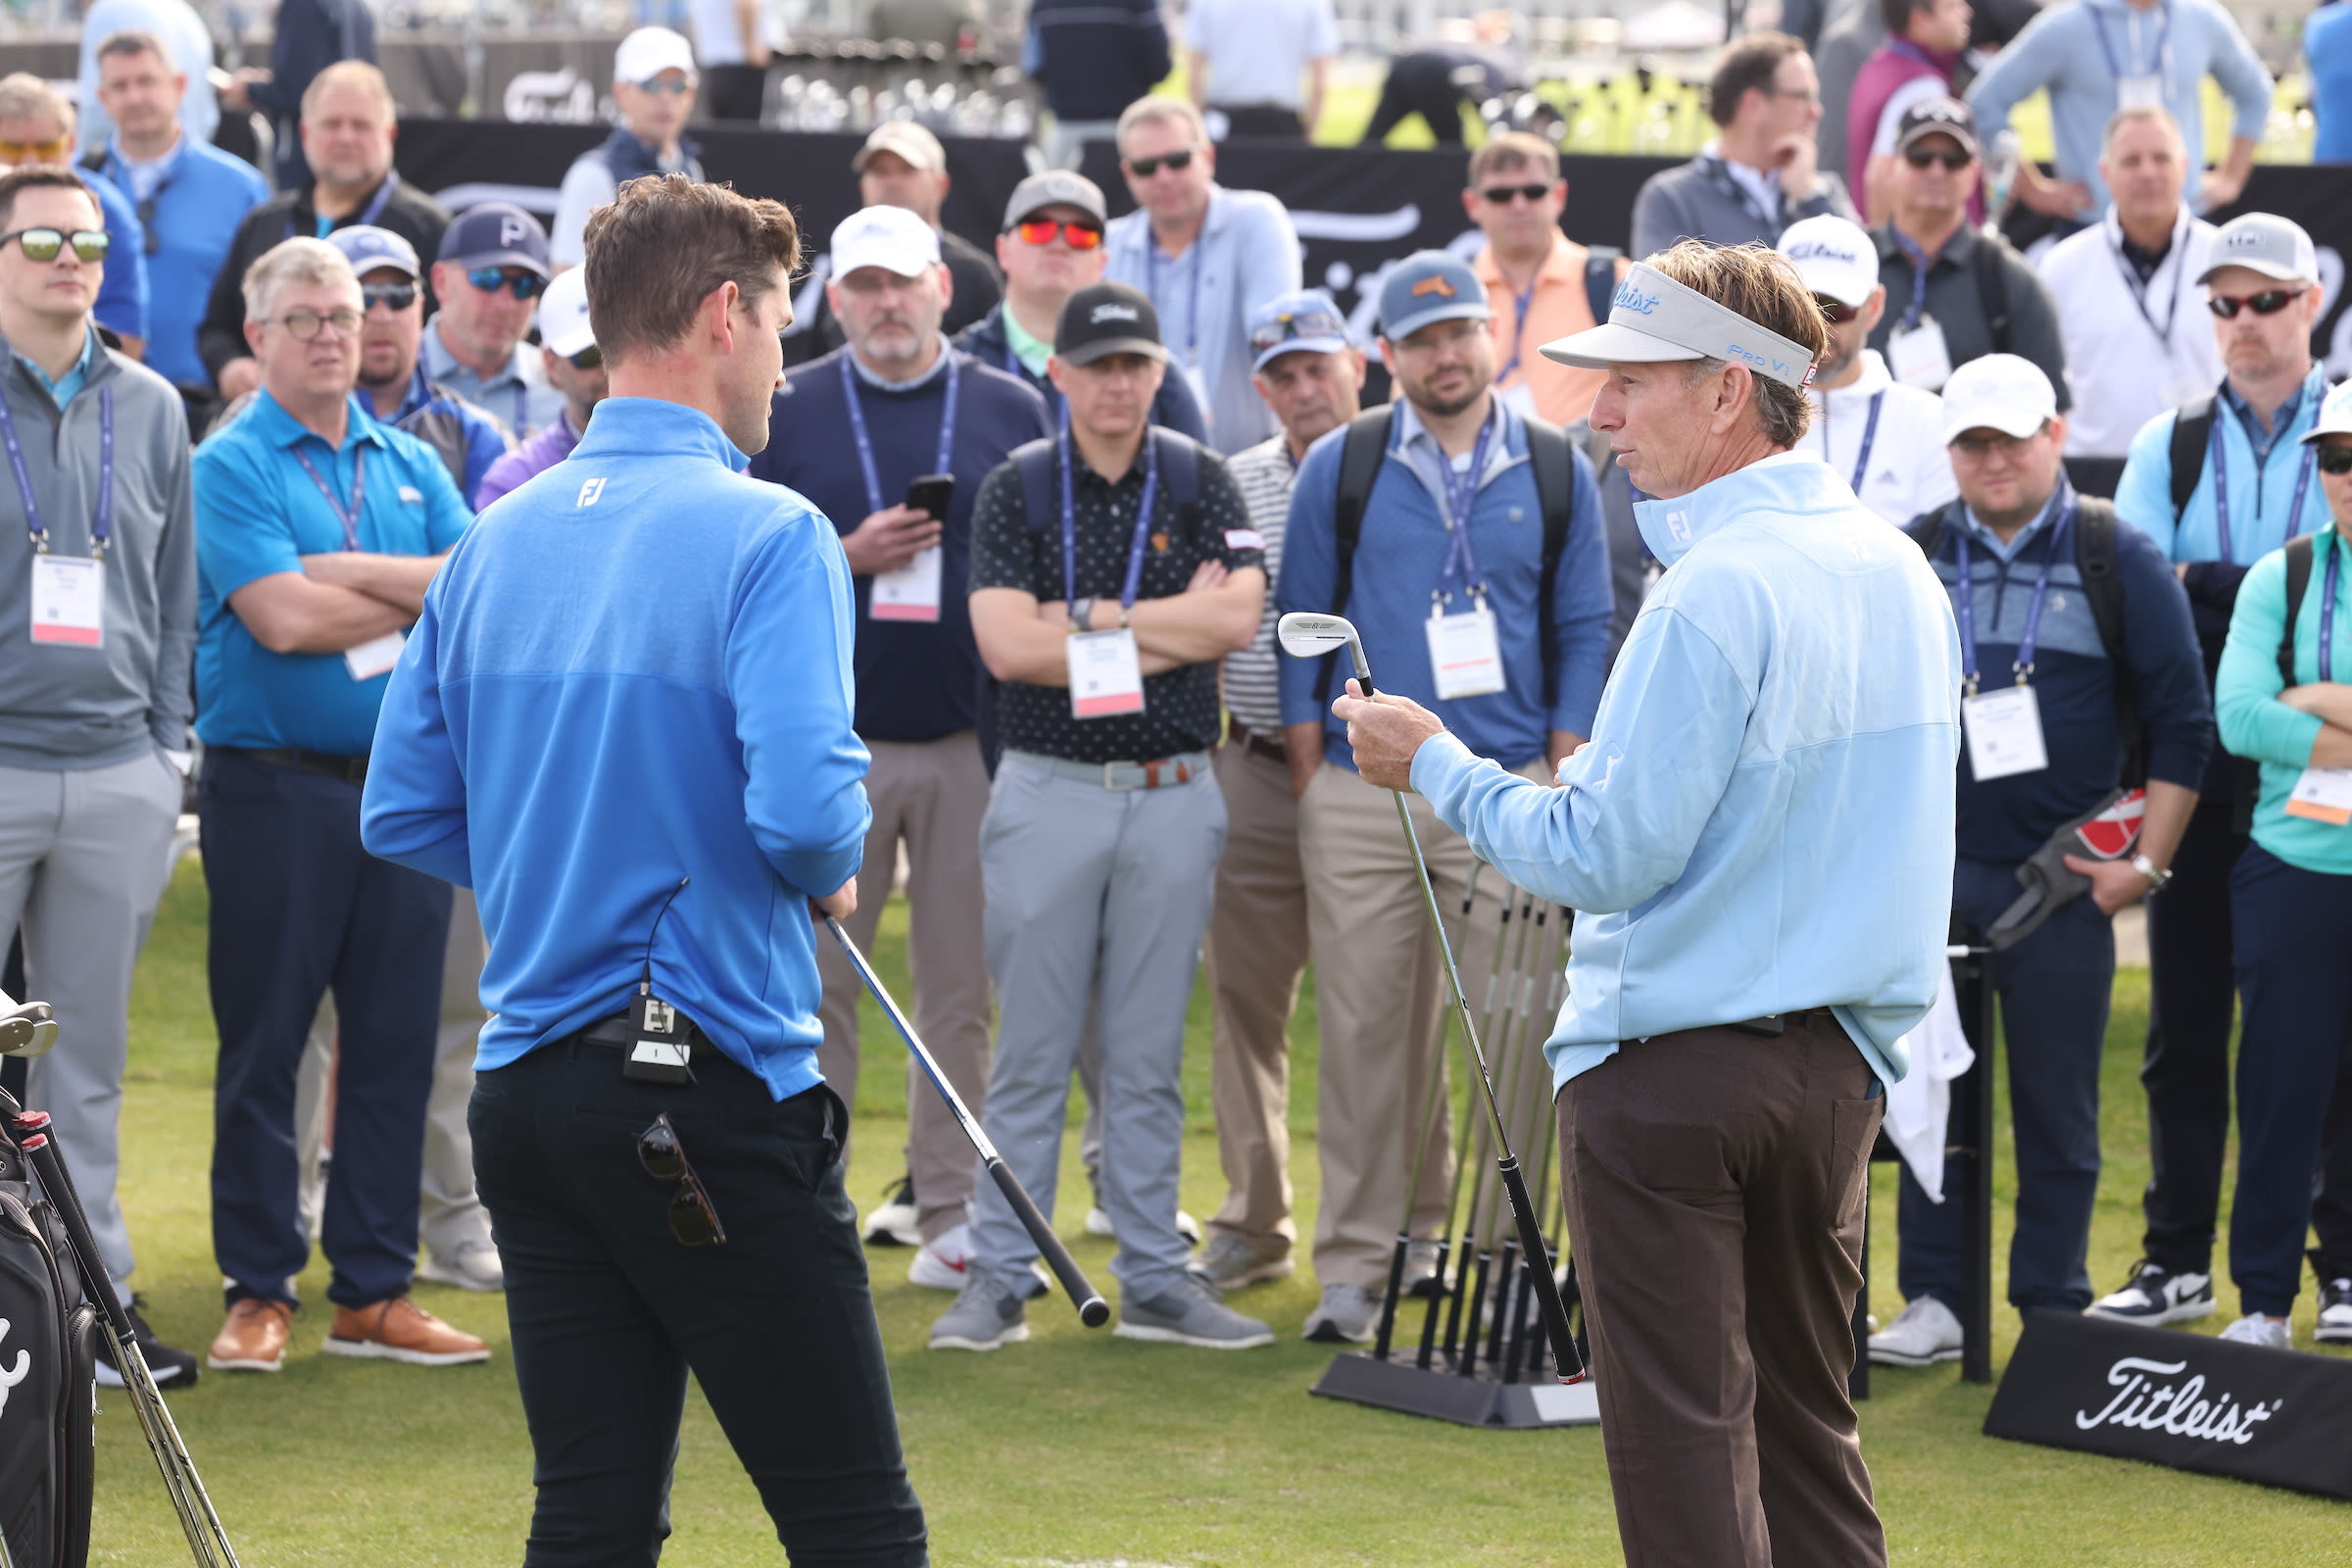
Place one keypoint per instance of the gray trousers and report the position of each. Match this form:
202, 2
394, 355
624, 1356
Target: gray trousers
1085, 882
83, 859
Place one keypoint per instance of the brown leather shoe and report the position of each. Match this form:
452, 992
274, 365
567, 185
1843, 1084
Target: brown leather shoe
253, 1339
399, 1330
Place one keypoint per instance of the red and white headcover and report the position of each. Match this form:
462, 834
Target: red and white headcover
2112, 834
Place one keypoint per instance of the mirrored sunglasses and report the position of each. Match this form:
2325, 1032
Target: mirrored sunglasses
490, 280
1042, 230
1289, 327
2270, 301
43, 244
394, 297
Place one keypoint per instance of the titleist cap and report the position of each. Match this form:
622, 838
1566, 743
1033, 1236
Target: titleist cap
1106, 319
1655, 320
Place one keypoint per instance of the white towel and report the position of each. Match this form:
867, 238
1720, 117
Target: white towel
1918, 1108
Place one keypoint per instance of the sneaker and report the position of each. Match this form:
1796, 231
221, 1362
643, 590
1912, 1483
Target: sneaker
2335, 1313
1098, 1223
894, 1223
1188, 1312
253, 1339
171, 1368
1922, 1335
940, 1264
985, 1315
1345, 1315
397, 1329
1229, 1262
2271, 1333
2154, 1294
471, 1266
1421, 1270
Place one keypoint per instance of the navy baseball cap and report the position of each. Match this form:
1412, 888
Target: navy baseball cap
369, 249
1305, 322
495, 234
1430, 286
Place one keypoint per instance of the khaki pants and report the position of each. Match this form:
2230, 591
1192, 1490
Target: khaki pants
931, 795
1257, 948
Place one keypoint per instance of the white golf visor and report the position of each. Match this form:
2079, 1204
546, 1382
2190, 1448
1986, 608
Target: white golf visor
1655, 320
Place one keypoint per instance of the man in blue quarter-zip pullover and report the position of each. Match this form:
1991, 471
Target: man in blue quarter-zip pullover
1759, 838
640, 757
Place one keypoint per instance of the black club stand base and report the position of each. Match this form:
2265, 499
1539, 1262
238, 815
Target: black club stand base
1444, 1394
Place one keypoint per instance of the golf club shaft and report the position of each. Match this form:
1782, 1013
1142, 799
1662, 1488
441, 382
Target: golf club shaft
1486, 1197
1093, 1311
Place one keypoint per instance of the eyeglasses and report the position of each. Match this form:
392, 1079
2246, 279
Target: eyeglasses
1289, 327
1995, 443
1837, 310
1954, 159
588, 358
1040, 232
43, 244
34, 152
677, 87
1503, 195
692, 1219
394, 297
1810, 95
490, 280
1145, 168
306, 327
2336, 461
2270, 301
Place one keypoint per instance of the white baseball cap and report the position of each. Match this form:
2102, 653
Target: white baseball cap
1997, 392
1655, 320
564, 313
889, 237
1832, 255
650, 51
2335, 414
2274, 246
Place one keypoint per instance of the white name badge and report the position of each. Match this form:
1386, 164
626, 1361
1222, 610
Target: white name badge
2004, 733
1105, 675
1464, 655
374, 658
68, 601
911, 593
2140, 92
2323, 795
1920, 357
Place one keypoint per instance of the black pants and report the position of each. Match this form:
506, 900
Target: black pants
734, 92
1424, 85
1270, 122
609, 1312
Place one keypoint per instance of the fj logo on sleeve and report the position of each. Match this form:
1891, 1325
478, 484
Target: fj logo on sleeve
1609, 772
1678, 525
590, 491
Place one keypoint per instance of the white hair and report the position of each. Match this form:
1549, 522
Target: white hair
295, 260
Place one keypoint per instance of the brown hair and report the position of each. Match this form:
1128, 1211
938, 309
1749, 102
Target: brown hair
1757, 285
655, 254
1514, 149
133, 41
1753, 62
42, 176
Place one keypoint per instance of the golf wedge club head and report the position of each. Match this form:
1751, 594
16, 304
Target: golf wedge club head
27, 1029
1311, 634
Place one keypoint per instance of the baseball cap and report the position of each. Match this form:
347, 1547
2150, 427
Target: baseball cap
1056, 187
1430, 286
889, 237
1997, 392
1938, 117
1655, 320
650, 51
910, 141
495, 234
1832, 255
2274, 246
369, 248
2335, 414
1305, 322
1106, 319
564, 313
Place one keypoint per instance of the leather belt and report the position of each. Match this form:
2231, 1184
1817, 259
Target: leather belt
350, 770
616, 1033
1158, 773
1248, 739
1775, 1024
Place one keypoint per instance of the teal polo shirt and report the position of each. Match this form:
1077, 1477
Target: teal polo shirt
258, 512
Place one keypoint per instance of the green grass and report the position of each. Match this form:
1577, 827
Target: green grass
1074, 1448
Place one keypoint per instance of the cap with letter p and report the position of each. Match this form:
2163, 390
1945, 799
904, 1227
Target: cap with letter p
1998, 392
1430, 286
1655, 320
1832, 255
889, 237
1106, 319
2266, 243
495, 234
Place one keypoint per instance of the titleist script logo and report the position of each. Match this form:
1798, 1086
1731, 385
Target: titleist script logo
1630, 298
1113, 313
1807, 250
9, 1377
2142, 1403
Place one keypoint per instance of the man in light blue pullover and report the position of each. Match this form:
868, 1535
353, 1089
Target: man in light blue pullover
624, 720
1759, 838
2098, 56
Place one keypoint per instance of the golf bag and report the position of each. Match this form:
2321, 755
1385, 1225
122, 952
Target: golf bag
48, 1383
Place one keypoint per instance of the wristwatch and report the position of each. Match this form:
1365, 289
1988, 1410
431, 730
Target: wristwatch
2157, 875
1082, 614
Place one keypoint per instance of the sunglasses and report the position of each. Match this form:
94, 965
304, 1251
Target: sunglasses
1288, 328
394, 297
1503, 195
692, 1219
1040, 232
1838, 311
2270, 301
677, 89
1145, 168
1953, 159
588, 358
306, 327
490, 280
43, 244
2336, 461
34, 152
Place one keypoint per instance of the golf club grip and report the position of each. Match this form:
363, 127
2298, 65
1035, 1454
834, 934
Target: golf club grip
1547, 1290
1093, 1311
40, 1153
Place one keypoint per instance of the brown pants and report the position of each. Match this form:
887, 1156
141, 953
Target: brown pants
1715, 1199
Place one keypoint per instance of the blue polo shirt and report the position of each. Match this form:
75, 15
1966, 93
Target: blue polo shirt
121, 305
259, 513
201, 196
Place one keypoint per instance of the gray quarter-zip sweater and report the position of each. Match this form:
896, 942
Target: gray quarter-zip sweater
65, 707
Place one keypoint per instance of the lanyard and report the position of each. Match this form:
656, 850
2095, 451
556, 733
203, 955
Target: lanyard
866, 442
1965, 599
1921, 261
103, 523
1869, 437
2335, 558
374, 210
1143, 521
1730, 183
2164, 33
1461, 493
349, 518
1520, 303
2139, 293
1191, 319
2218, 454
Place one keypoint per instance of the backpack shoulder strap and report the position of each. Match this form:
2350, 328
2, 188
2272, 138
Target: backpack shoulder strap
1601, 278
1553, 461
2193, 428
2298, 583
1035, 460
94, 162
1992, 290
2102, 584
1927, 531
1179, 466
1364, 449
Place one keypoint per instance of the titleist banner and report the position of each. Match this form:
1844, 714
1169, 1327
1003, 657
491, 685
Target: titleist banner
2181, 1400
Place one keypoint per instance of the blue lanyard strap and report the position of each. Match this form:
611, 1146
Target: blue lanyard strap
1192, 318
2218, 454
2115, 68
1520, 302
1869, 437
348, 517
1964, 597
1461, 494
2336, 559
1143, 521
374, 210
102, 522
865, 440
1921, 261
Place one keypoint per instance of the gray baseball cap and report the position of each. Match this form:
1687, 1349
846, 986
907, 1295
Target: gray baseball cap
1655, 320
2266, 243
1056, 187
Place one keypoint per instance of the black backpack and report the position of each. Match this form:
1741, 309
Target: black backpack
1365, 448
2193, 428
48, 1382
